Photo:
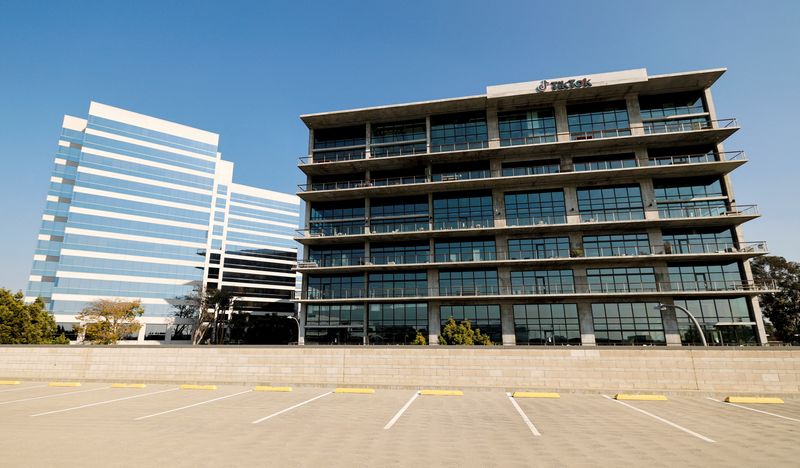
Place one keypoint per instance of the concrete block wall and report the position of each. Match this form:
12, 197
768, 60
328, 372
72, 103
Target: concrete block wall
736, 370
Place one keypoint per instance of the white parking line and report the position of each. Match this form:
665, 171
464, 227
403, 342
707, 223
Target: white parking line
756, 410
22, 388
290, 408
192, 406
688, 431
524, 416
402, 410
53, 396
103, 402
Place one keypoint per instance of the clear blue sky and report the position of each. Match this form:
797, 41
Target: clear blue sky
246, 70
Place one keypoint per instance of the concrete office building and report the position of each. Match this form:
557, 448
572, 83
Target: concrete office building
143, 208
560, 211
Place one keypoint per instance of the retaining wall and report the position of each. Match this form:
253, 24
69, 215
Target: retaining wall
735, 370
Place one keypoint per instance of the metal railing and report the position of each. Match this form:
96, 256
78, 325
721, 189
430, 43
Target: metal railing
535, 220
463, 224
649, 127
426, 226
467, 145
529, 140
679, 248
686, 125
697, 158
591, 135
605, 216
583, 287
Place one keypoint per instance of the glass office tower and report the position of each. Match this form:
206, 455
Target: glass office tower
142, 208
552, 212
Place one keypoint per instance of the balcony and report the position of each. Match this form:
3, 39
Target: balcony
658, 166
581, 288
347, 160
642, 254
666, 218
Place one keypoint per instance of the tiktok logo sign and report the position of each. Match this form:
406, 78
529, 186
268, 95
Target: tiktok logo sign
563, 84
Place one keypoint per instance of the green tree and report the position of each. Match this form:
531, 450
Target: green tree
107, 321
22, 323
420, 339
782, 308
462, 334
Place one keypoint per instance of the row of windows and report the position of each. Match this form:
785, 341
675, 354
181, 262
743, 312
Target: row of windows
458, 131
152, 136
534, 324
148, 172
485, 281
605, 245
151, 154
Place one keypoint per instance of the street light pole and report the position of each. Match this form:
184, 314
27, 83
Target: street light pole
661, 307
298, 326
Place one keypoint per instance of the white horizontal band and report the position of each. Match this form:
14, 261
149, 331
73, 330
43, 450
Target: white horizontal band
258, 272
116, 235
258, 285
126, 278
141, 180
129, 258
152, 201
262, 221
130, 217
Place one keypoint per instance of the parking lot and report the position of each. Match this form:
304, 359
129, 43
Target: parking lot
96, 424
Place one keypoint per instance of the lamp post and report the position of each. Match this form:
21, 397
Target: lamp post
662, 307
292, 317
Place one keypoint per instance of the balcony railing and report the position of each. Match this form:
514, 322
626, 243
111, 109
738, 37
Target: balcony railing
686, 125
664, 213
650, 127
605, 216
463, 224
535, 220
678, 248
610, 133
696, 158
467, 145
579, 288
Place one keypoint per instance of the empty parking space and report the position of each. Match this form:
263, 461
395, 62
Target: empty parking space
319, 426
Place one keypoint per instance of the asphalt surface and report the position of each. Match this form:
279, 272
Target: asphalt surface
96, 425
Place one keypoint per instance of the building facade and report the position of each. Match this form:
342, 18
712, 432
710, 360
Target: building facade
578, 211
142, 208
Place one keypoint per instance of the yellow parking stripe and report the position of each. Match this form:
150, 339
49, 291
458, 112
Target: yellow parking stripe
442, 392
265, 388
9, 382
624, 396
128, 385
535, 395
354, 390
198, 387
64, 384
740, 399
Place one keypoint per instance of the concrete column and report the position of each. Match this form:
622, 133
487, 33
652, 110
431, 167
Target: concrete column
368, 137
310, 141
433, 281
492, 127
501, 246
575, 243
571, 204
367, 228
566, 163
504, 279
648, 199
656, 240
579, 279
499, 207
642, 159
434, 324
634, 114
507, 324
495, 167
562, 123
755, 306
301, 316
428, 133
586, 323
